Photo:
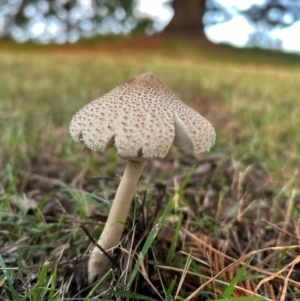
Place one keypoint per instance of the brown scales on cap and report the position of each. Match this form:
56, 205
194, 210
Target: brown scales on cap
141, 118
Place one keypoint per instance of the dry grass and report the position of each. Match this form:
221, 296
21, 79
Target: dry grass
225, 223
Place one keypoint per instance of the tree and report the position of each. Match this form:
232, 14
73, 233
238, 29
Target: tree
188, 17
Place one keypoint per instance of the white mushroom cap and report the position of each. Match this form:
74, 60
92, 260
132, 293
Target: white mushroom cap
142, 118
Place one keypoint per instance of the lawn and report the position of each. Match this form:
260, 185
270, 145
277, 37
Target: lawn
215, 226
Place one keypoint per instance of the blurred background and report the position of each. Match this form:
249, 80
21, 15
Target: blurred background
270, 24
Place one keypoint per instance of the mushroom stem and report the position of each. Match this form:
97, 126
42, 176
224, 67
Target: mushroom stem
116, 220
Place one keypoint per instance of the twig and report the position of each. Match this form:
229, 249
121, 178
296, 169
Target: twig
276, 274
183, 275
85, 230
114, 262
285, 285
146, 277
279, 229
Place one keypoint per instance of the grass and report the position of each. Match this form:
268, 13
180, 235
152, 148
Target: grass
255, 102
241, 196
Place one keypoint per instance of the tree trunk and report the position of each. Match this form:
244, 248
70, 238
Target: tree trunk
188, 15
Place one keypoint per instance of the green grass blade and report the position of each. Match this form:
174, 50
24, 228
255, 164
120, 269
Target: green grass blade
145, 249
79, 193
186, 180
171, 289
8, 274
173, 246
149, 242
158, 272
100, 281
40, 286
132, 296
11, 180
53, 283
227, 293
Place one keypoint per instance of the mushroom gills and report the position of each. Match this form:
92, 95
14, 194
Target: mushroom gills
110, 143
183, 139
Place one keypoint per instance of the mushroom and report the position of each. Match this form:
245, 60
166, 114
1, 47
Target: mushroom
141, 118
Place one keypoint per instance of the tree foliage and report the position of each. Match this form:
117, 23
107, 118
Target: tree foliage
68, 20
275, 12
264, 23
269, 12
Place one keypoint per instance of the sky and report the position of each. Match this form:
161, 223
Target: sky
285, 39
